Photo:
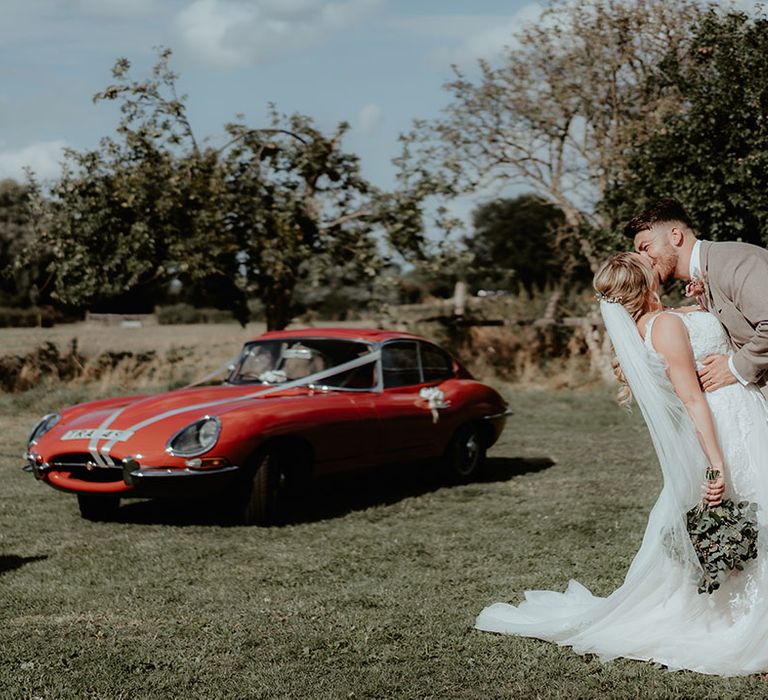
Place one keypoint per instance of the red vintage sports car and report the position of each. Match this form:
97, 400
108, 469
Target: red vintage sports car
295, 403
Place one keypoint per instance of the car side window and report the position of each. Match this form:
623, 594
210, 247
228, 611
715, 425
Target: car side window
400, 364
435, 363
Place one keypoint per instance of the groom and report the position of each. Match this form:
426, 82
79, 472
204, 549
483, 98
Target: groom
735, 277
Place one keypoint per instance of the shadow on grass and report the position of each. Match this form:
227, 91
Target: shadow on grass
337, 496
333, 496
505, 468
9, 562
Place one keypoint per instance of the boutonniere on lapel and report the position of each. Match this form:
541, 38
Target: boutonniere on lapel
697, 289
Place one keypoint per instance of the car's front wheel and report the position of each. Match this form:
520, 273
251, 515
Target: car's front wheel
97, 507
466, 453
264, 490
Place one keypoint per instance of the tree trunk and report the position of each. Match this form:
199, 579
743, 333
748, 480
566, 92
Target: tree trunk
550, 312
277, 306
575, 221
459, 298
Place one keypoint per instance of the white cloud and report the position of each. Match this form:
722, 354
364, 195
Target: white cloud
43, 157
485, 37
368, 119
229, 33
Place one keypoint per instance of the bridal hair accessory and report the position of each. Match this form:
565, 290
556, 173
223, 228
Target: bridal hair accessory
611, 300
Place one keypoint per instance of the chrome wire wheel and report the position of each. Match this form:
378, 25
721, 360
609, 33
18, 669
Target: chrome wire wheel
465, 453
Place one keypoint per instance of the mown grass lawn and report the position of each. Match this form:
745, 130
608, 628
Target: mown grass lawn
370, 594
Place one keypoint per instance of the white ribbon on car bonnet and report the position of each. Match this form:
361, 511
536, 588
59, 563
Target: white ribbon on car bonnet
102, 456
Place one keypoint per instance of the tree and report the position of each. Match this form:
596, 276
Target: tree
270, 207
297, 208
712, 154
118, 220
18, 286
572, 93
515, 241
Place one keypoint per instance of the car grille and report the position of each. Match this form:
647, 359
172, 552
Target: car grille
77, 463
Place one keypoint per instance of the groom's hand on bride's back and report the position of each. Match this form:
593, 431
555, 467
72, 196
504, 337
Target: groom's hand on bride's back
716, 373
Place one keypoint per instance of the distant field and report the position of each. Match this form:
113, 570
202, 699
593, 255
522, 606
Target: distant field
94, 338
370, 592
183, 353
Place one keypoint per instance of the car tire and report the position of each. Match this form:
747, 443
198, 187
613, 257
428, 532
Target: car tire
465, 454
264, 492
98, 508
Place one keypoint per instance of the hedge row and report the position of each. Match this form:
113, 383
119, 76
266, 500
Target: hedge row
26, 318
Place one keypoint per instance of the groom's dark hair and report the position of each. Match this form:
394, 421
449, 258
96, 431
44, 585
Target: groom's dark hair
661, 211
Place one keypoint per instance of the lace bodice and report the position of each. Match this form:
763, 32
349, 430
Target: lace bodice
707, 336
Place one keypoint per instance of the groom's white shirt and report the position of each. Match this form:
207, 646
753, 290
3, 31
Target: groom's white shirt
694, 270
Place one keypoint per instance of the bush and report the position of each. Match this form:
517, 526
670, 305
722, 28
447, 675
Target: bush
25, 318
19, 373
499, 337
49, 366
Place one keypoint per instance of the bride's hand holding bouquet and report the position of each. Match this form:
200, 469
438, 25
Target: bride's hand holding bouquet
723, 533
715, 486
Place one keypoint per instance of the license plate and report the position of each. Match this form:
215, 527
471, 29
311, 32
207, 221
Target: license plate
91, 433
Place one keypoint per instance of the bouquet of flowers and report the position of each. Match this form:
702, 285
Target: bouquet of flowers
724, 537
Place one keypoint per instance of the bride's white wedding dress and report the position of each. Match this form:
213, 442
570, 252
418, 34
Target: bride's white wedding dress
657, 613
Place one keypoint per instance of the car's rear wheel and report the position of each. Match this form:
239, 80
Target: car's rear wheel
97, 507
466, 453
263, 498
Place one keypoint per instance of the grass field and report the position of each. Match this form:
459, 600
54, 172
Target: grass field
370, 593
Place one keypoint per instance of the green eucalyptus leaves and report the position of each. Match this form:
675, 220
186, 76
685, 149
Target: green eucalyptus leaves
724, 537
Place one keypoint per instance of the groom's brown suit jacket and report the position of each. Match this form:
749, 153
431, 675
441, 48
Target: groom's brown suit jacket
736, 279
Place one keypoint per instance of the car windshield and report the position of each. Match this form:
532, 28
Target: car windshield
279, 361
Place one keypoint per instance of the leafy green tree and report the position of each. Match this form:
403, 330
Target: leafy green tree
515, 241
18, 286
712, 154
271, 207
297, 209
118, 221
558, 113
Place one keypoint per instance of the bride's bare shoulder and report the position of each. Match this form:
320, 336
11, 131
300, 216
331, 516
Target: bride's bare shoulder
645, 320
669, 334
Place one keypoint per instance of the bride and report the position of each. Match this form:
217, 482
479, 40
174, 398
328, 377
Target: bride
657, 613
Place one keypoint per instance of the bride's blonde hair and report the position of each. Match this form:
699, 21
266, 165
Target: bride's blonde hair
625, 279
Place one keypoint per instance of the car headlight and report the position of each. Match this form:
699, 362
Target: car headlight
196, 438
42, 427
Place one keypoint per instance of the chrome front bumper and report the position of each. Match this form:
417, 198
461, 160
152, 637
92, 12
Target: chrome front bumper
139, 481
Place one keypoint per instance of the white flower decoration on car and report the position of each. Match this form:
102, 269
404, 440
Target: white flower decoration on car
435, 400
273, 376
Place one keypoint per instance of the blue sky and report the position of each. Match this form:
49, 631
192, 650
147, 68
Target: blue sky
375, 63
